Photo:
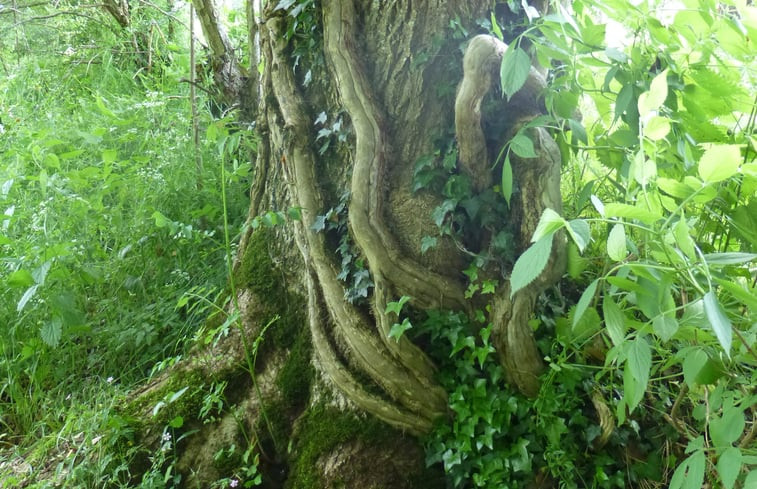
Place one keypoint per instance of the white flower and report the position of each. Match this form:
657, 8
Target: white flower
166, 436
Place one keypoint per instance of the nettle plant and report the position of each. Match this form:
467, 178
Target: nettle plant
663, 170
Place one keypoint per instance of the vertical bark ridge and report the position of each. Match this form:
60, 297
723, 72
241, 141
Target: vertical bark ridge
368, 187
538, 180
370, 352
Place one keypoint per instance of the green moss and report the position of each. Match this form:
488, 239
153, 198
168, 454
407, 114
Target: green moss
320, 430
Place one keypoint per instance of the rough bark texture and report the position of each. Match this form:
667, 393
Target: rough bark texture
327, 370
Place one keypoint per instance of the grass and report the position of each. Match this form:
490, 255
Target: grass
103, 231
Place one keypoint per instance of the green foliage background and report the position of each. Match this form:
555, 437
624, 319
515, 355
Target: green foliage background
113, 246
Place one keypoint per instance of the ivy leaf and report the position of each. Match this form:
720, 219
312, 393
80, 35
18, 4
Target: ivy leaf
514, 70
427, 242
530, 264
719, 322
396, 306
719, 162
398, 329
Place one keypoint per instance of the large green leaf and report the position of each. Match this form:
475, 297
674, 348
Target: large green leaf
718, 320
690, 474
514, 70
616, 243
584, 301
727, 428
614, 320
530, 264
719, 162
654, 98
729, 466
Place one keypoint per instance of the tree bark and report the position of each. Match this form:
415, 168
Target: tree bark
381, 81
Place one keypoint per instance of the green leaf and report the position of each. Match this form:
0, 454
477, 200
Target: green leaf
751, 480
614, 320
584, 301
683, 238
690, 474
30, 292
692, 365
396, 306
748, 296
507, 179
627, 211
665, 327
427, 242
20, 278
654, 98
640, 361
579, 231
495, 27
714, 259
726, 429
51, 331
729, 466
530, 264
549, 222
177, 422
177, 395
719, 322
657, 128
719, 161
522, 146
514, 70
616, 243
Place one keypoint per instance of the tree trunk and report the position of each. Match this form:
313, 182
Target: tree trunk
354, 93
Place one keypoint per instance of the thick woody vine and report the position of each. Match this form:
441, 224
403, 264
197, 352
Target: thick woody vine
346, 338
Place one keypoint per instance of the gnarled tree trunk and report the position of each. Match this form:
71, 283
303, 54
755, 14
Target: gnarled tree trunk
354, 92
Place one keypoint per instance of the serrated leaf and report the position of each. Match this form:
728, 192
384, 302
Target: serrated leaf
522, 146
514, 70
616, 243
549, 222
51, 332
584, 301
530, 264
729, 466
719, 322
719, 161
614, 320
